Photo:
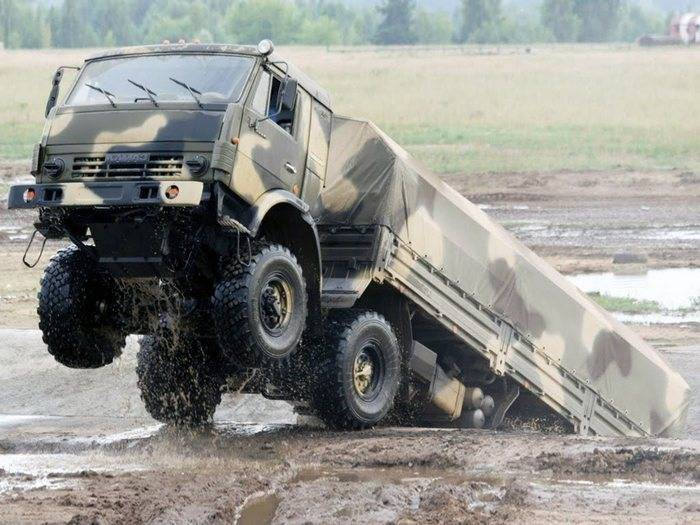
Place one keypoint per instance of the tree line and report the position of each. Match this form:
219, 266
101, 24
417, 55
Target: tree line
105, 23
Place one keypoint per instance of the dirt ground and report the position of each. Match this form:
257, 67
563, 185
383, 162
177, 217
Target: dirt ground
78, 447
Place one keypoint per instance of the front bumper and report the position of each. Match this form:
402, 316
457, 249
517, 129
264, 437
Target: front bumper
125, 193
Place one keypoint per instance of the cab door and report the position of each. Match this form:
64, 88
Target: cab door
317, 157
272, 148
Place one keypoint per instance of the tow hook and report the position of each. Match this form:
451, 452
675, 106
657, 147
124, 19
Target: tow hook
41, 252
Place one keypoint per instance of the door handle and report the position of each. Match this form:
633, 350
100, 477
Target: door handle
291, 169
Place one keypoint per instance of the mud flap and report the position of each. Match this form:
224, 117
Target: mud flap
503, 402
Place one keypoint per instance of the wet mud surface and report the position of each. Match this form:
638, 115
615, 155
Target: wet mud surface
282, 473
580, 221
78, 447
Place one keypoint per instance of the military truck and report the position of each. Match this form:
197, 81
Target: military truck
217, 205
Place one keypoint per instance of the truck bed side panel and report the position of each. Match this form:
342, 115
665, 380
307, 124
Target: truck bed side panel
503, 300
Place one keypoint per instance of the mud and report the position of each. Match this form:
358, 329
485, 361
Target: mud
95, 457
580, 221
638, 464
301, 474
78, 447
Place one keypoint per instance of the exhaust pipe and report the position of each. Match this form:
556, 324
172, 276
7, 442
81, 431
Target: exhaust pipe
447, 393
469, 406
472, 419
473, 398
488, 406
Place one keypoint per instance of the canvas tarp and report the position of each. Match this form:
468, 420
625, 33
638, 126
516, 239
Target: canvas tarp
373, 181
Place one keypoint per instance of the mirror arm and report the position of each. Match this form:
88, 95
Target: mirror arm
254, 124
285, 69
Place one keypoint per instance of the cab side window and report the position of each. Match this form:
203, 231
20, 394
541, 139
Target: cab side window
284, 119
266, 102
262, 94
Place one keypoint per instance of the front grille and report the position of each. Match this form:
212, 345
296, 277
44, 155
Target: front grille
155, 165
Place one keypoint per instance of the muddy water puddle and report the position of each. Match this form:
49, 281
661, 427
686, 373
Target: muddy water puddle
20, 472
9, 420
262, 508
259, 509
675, 290
392, 475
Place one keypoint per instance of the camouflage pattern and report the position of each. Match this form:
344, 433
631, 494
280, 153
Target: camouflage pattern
500, 298
439, 250
264, 157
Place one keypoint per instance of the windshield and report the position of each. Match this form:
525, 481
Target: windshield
168, 78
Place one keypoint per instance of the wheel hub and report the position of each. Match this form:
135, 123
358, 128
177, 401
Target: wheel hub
365, 372
275, 305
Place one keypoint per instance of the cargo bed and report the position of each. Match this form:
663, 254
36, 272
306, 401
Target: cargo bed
486, 289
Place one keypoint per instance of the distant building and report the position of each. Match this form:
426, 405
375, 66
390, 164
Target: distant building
689, 28
683, 29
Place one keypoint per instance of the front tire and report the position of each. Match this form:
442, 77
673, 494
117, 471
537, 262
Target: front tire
180, 377
80, 311
359, 370
260, 306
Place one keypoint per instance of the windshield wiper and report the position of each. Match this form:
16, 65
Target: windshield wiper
192, 91
151, 94
109, 96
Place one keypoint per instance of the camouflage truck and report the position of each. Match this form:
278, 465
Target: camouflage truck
259, 242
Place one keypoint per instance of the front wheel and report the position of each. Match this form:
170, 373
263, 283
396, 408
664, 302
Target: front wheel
81, 311
260, 306
358, 372
180, 377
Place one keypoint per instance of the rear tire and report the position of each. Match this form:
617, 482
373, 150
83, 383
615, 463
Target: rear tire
180, 378
260, 307
80, 311
358, 373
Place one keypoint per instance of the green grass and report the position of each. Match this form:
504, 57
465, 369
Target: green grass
483, 149
17, 139
626, 305
558, 108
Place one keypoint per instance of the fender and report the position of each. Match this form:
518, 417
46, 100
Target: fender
272, 198
234, 212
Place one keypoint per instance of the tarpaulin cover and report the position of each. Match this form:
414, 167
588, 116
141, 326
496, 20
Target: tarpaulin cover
373, 181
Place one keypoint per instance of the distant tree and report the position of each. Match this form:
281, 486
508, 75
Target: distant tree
481, 21
599, 19
69, 30
636, 21
5, 20
319, 30
250, 21
560, 18
55, 23
396, 23
433, 28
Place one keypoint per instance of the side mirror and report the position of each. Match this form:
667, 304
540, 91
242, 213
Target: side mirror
53, 96
288, 95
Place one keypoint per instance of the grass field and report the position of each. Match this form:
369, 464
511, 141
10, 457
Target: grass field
465, 110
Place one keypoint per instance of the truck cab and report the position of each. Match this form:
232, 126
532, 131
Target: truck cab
187, 113
182, 170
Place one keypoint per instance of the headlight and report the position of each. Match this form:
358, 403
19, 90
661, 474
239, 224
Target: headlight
54, 167
198, 165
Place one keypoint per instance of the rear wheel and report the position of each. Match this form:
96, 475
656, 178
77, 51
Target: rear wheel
260, 306
80, 311
180, 378
358, 373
